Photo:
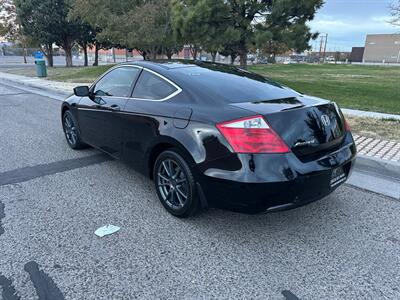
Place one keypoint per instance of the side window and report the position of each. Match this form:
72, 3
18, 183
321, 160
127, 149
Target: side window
117, 83
152, 87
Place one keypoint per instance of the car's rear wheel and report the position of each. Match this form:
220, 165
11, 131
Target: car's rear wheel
71, 131
175, 184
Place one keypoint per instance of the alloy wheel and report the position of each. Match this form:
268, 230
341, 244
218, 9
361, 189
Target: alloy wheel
172, 184
70, 129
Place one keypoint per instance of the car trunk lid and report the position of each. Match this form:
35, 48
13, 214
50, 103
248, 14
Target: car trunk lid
310, 127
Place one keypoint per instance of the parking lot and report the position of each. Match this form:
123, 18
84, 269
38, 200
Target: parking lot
52, 199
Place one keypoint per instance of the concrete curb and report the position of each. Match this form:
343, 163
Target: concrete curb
369, 114
35, 86
382, 167
376, 175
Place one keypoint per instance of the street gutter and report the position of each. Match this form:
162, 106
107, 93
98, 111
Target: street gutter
376, 175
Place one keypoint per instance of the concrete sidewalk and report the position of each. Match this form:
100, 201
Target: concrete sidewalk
379, 149
58, 87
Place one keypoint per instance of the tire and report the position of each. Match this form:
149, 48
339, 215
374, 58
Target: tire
175, 184
70, 127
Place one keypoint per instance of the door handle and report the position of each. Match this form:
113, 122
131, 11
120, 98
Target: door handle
115, 107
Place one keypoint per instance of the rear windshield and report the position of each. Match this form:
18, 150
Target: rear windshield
233, 85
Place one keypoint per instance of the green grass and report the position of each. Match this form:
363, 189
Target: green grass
371, 88
74, 74
77, 74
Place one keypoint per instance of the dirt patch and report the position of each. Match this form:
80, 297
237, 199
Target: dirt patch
383, 129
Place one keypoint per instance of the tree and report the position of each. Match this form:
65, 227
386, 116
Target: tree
285, 27
37, 26
108, 19
142, 25
247, 21
395, 13
10, 25
48, 22
85, 37
230, 50
97, 14
203, 24
3, 29
153, 32
281, 23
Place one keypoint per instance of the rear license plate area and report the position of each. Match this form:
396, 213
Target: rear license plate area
338, 176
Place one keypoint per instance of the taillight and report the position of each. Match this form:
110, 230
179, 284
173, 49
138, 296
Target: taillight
252, 135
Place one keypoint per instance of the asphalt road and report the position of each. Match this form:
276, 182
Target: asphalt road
52, 199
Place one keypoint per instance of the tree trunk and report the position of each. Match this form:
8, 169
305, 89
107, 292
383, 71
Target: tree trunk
50, 59
96, 55
48, 53
85, 54
25, 51
169, 54
243, 59
233, 58
193, 50
213, 56
68, 56
67, 46
144, 54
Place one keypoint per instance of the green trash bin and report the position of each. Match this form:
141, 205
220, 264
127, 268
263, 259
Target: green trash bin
41, 70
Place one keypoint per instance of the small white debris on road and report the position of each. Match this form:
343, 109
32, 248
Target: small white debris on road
106, 230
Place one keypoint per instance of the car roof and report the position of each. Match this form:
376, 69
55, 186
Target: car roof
218, 82
163, 64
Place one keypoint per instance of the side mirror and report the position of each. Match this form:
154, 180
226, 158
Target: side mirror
82, 91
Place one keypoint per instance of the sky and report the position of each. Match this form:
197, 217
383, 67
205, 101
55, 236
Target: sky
347, 22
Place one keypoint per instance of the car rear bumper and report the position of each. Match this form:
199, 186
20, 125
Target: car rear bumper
266, 182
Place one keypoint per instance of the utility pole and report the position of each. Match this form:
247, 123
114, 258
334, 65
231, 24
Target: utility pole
320, 49
326, 41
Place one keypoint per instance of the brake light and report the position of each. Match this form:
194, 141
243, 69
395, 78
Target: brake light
252, 135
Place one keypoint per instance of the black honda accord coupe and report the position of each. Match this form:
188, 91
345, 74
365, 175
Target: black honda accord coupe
212, 135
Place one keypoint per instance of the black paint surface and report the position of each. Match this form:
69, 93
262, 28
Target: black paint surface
45, 287
28, 173
9, 292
